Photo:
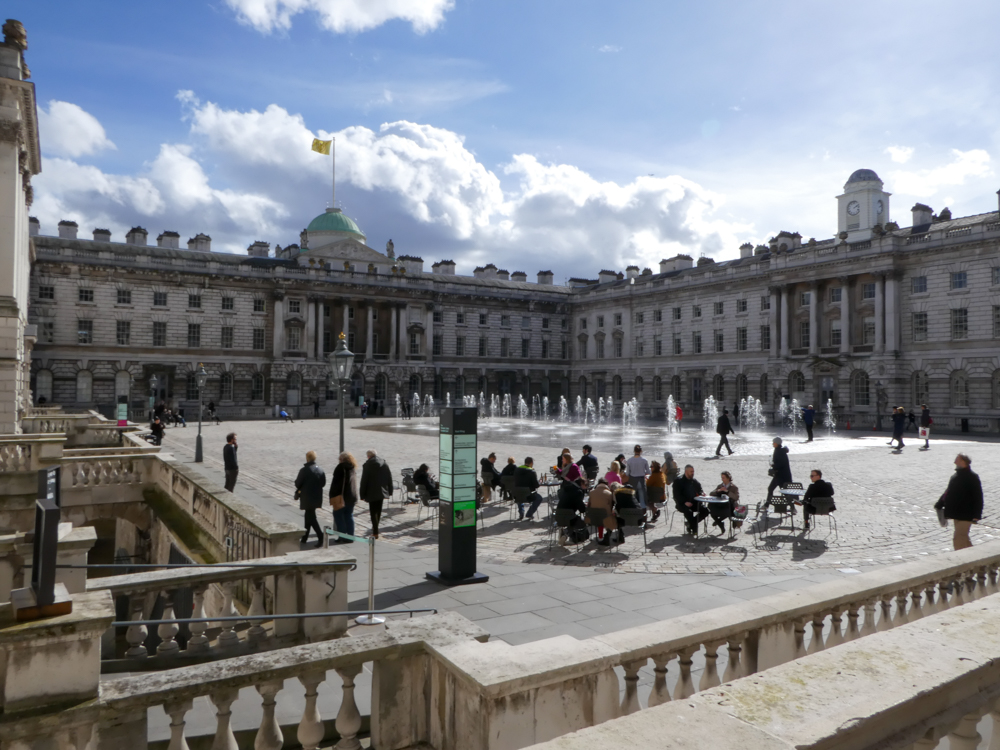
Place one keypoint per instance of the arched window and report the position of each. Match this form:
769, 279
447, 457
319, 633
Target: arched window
43, 386
583, 388
675, 387
861, 389
414, 384
719, 388
765, 397
638, 388
657, 388
959, 388
796, 382
921, 388
257, 387
381, 386
616, 388
123, 384
84, 386
742, 387
226, 387
192, 387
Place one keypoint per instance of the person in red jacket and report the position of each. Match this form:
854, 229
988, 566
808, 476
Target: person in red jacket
679, 415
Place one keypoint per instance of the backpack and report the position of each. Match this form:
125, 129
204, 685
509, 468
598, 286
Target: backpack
578, 531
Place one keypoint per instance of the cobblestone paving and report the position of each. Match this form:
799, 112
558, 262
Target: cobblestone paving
884, 498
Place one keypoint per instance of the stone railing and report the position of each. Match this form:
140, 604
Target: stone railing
303, 582
910, 688
29, 452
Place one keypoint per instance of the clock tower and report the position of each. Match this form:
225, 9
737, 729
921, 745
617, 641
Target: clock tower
862, 205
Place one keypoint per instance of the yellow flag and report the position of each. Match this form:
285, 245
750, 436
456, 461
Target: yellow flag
322, 147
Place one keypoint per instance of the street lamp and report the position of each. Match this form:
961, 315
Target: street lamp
152, 396
341, 364
201, 377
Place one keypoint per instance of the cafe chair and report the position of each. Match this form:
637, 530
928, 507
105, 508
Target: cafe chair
564, 517
595, 517
520, 496
823, 506
507, 486
410, 487
424, 501
634, 517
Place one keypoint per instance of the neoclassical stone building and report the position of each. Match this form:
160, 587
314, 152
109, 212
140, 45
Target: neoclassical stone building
912, 312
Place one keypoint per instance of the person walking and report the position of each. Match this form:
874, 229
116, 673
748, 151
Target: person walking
364, 409
637, 469
230, 464
925, 426
808, 417
376, 486
211, 413
678, 416
912, 421
316, 408
157, 429
724, 428
309, 486
962, 502
686, 489
898, 425
344, 485
781, 470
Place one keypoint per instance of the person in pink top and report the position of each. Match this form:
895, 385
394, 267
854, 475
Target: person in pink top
570, 471
613, 475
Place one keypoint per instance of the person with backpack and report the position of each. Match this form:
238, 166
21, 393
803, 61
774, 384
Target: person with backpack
376, 486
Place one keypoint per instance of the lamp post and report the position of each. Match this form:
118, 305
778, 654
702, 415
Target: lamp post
201, 378
341, 363
152, 396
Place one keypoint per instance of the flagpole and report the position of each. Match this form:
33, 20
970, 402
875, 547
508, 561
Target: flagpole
333, 161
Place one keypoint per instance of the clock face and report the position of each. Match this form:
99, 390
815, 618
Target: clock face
879, 208
853, 208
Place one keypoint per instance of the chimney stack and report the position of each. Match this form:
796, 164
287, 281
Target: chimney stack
632, 271
922, 215
67, 230
519, 276
746, 250
136, 236
169, 239
200, 242
446, 267
606, 276
545, 277
259, 249
102, 235
503, 275
34, 228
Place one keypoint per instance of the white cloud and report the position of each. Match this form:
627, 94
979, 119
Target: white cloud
416, 182
68, 130
609, 48
899, 154
927, 182
341, 16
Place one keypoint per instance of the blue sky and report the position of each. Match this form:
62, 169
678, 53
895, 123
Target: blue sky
570, 135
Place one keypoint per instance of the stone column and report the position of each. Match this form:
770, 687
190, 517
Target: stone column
320, 328
369, 333
783, 324
279, 326
346, 320
892, 311
393, 314
845, 314
429, 333
879, 313
772, 321
814, 318
311, 329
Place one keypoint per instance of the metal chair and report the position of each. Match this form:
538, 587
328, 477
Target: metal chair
823, 506
655, 497
564, 517
520, 496
633, 517
507, 485
424, 501
595, 517
412, 495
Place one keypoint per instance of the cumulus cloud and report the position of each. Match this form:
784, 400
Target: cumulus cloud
899, 154
68, 130
927, 182
415, 182
341, 16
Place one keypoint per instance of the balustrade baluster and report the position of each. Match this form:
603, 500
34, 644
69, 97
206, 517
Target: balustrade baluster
958, 593
684, 688
710, 675
982, 582
630, 701
310, 732
971, 581
269, 736
348, 721
198, 642
902, 616
964, 735
228, 638
932, 603
77, 738
800, 638
136, 637
167, 631
734, 667
885, 618
868, 628
853, 629
816, 642
257, 634
176, 711
992, 578
916, 604
660, 694
836, 636
223, 699
925, 744
945, 596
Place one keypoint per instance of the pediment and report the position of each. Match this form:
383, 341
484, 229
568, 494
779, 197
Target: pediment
343, 249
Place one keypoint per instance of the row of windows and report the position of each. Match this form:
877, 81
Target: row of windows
504, 320
959, 324
956, 280
124, 297
505, 348
123, 334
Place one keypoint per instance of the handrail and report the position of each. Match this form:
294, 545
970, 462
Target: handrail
150, 566
244, 618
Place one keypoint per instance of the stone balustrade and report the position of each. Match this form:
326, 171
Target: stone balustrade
302, 582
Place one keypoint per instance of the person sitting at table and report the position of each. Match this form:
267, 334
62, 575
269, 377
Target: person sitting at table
570, 472
656, 486
686, 491
589, 464
614, 474
571, 497
510, 468
525, 476
815, 492
422, 478
721, 511
560, 463
602, 498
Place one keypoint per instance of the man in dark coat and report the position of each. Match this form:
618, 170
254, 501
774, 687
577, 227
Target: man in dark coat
157, 430
925, 423
526, 478
309, 486
588, 462
781, 471
376, 487
819, 493
962, 502
808, 417
489, 475
686, 489
229, 461
898, 425
724, 428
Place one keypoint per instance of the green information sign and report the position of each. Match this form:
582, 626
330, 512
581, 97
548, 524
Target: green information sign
465, 513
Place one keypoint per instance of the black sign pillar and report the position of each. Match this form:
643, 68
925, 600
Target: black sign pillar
457, 505
44, 598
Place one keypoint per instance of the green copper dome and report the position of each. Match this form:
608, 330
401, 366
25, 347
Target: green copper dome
334, 221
